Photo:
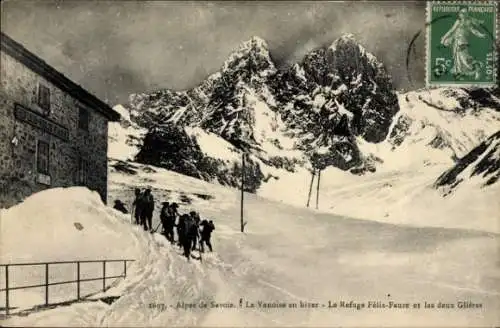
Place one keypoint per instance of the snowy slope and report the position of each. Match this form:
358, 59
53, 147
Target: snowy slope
63, 224
480, 167
403, 196
432, 130
433, 127
287, 255
124, 137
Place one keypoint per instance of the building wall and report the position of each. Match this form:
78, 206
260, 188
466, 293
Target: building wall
18, 167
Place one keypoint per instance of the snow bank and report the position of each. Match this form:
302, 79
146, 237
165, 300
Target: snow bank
45, 227
64, 224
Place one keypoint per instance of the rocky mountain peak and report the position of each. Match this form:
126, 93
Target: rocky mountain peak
346, 38
255, 43
252, 55
333, 95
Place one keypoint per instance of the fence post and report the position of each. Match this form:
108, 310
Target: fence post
104, 275
124, 268
46, 284
7, 289
78, 280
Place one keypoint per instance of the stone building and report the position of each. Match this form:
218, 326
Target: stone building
53, 133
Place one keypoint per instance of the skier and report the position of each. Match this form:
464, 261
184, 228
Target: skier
206, 233
196, 218
167, 218
189, 232
172, 215
163, 216
119, 206
137, 206
147, 213
180, 230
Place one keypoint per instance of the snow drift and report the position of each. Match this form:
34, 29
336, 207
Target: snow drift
64, 224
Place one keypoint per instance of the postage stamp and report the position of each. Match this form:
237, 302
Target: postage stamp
461, 43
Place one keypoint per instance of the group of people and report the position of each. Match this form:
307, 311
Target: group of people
143, 207
191, 230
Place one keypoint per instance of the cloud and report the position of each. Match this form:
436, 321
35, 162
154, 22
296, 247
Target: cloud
138, 46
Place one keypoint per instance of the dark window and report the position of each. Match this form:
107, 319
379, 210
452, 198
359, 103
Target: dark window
83, 119
83, 169
44, 98
42, 157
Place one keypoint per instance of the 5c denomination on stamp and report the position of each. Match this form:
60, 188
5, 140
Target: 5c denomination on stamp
461, 44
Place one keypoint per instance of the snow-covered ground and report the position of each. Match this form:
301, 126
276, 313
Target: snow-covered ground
287, 255
403, 196
400, 191
415, 153
381, 237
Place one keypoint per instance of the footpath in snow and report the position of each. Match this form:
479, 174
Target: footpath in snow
337, 270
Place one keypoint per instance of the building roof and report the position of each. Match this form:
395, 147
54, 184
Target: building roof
40, 67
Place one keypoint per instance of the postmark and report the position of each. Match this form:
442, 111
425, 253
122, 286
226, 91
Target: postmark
461, 44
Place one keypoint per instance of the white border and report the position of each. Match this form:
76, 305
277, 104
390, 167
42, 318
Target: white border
496, 24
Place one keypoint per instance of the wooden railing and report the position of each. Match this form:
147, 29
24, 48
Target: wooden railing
47, 283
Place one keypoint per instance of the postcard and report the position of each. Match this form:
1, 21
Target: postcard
249, 164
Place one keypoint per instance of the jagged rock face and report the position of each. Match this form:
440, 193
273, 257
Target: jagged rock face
172, 148
162, 106
361, 83
333, 95
483, 160
400, 130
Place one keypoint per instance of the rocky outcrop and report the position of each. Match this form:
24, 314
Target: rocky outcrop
482, 162
170, 147
335, 94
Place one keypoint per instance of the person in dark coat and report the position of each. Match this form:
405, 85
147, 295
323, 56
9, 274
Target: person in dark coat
147, 213
206, 234
171, 217
119, 206
194, 238
137, 206
167, 217
163, 215
180, 230
188, 233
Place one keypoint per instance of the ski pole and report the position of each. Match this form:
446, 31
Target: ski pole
157, 227
199, 247
199, 251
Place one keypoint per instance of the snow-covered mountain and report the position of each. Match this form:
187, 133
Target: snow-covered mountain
314, 107
336, 107
480, 166
435, 126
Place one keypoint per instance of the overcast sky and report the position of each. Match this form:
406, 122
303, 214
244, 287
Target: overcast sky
115, 48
